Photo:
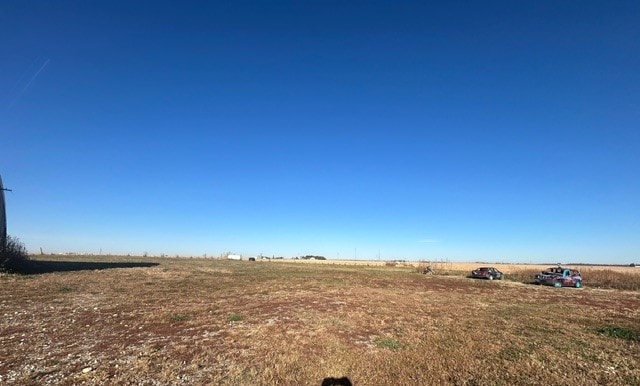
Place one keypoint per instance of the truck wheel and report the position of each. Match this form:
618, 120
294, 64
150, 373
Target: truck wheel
557, 284
490, 277
578, 284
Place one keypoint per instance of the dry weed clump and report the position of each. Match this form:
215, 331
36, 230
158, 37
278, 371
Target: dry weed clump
446, 268
607, 278
522, 275
422, 267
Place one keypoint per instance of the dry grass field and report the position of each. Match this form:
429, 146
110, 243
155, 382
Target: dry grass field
95, 321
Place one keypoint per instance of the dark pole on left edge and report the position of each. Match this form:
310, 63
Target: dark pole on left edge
3, 218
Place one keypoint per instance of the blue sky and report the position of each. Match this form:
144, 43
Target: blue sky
493, 131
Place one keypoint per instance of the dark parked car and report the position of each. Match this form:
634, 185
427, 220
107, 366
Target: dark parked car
559, 277
487, 273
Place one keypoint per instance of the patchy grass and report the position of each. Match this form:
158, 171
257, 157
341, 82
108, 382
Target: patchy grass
179, 317
620, 332
301, 323
388, 343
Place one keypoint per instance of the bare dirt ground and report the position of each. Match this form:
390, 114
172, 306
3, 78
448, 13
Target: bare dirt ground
194, 321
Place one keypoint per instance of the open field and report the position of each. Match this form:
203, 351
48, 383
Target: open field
99, 320
467, 267
600, 276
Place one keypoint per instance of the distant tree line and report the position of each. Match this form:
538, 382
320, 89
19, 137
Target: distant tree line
313, 257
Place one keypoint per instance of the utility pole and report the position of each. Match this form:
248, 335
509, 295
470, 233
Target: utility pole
3, 218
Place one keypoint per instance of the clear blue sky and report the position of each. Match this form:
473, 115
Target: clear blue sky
494, 131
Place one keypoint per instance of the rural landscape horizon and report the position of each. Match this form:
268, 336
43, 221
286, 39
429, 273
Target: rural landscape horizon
320, 193
346, 260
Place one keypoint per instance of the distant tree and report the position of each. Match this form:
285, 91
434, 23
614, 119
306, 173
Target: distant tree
309, 257
14, 257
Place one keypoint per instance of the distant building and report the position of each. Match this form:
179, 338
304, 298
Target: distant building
234, 257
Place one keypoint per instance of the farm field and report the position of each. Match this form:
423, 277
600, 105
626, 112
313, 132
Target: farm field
99, 320
466, 266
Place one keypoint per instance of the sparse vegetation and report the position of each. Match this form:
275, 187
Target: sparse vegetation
301, 322
179, 317
620, 332
388, 343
